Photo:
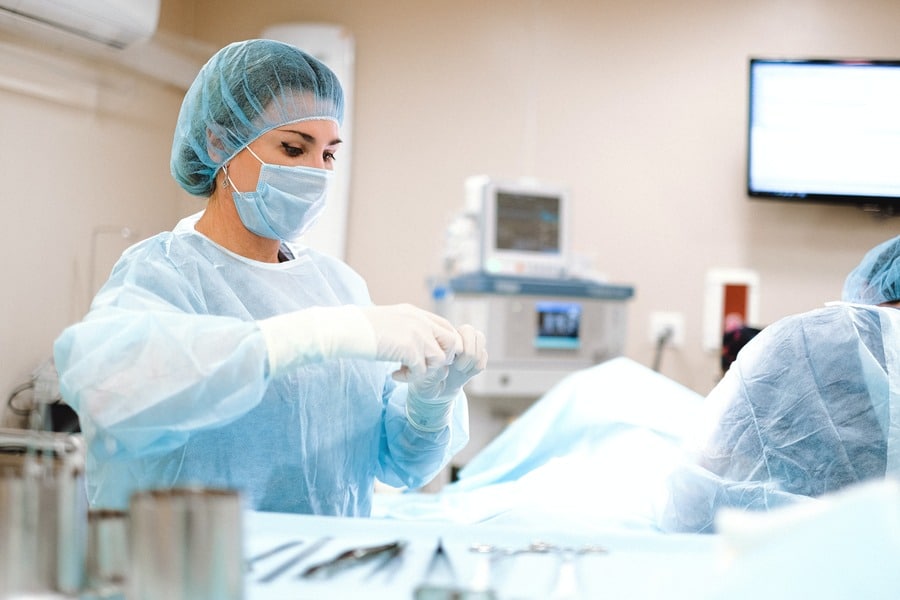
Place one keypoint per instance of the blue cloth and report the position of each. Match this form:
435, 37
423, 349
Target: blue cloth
809, 407
168, 375
592, 454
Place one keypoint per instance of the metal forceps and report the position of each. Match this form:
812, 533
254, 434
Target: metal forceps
356, 556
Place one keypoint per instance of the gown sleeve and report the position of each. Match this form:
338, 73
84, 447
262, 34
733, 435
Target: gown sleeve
146, 368
410, 457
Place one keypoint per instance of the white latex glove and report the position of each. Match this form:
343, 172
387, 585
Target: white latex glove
430, 399
415, 338
447, 380
419, 340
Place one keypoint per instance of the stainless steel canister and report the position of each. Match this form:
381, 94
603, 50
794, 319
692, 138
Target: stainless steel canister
107, 553
43, 512
185, 544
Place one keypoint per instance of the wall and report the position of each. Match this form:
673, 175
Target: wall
638, 106
85, 174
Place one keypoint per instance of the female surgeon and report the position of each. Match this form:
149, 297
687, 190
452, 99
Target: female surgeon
222, 354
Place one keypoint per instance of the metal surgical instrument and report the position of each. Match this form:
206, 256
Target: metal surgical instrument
290, 563
271, 552
356, 556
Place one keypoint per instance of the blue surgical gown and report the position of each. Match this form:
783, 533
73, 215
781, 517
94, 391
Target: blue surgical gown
810, 406
168, 373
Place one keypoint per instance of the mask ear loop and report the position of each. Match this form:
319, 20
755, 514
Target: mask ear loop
226, 182
250, 150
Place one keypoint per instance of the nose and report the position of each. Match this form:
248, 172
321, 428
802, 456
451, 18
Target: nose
318, 162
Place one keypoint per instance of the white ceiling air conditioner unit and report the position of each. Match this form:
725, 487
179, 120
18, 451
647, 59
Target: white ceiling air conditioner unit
113, 23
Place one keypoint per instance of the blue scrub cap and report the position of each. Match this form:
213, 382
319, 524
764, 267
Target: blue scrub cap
877, 278
246, 89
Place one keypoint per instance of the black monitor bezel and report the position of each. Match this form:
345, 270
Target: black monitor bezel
884, 204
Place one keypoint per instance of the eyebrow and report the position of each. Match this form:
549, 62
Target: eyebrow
311, 139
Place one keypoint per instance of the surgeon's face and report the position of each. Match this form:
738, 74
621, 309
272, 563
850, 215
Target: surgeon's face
307, 143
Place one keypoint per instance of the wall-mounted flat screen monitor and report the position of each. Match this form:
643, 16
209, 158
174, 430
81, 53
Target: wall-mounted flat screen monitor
825, 131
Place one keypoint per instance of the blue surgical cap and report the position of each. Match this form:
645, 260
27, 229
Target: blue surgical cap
877, 278
246, 89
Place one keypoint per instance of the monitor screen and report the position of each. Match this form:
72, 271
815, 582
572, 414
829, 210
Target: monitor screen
528, 222
825, 131
523, 226
558, 325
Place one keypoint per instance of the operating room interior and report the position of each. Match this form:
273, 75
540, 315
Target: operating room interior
639, 109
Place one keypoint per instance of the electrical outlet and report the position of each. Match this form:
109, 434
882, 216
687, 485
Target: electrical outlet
660, 322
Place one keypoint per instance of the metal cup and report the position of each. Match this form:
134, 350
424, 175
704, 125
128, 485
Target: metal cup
107, 552
185, 544
43, 510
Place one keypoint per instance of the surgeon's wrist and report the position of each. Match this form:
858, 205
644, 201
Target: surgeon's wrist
429, 415
315, 334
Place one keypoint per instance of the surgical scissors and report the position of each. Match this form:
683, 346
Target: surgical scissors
566, 584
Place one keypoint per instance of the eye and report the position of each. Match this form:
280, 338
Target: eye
328, 156
292, 151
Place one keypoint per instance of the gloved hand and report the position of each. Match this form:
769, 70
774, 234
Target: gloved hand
430, 398
446, 381
417, 339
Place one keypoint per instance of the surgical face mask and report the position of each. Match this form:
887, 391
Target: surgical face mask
287, 200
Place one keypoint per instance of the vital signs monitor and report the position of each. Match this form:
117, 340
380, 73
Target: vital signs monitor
524, 226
